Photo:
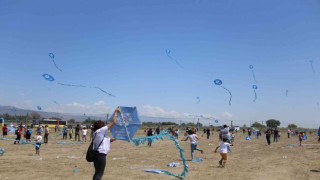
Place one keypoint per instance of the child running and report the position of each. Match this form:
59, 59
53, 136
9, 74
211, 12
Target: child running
38, 140
224, 148
300, 135
193, 142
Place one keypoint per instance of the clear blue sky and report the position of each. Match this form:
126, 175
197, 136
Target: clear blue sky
120, 46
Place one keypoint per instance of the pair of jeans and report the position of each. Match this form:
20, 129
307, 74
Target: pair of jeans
99, 166
45, 139
193, 148
77, 135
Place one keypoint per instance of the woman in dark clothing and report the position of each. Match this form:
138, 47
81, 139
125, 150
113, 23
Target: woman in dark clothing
268, 134
150, 133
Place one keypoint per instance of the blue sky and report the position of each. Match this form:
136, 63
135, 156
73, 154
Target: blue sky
120, 46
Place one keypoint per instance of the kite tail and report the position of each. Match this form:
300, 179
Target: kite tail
74, 85
178, 63
254, 77
104, 91
255, 96
56, 66
229, 93
141, 140
311, 63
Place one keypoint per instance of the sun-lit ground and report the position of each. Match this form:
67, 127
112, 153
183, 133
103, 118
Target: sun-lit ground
248, 160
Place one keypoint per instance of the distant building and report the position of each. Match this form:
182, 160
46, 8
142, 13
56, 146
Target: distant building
236, 128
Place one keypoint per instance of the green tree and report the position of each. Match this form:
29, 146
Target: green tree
169, 123
273, 123
258, 125
72, 121
35, 115
7, 116
292, 126
190, 124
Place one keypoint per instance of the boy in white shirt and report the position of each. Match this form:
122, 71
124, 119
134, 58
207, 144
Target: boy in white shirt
224, 149
84, 134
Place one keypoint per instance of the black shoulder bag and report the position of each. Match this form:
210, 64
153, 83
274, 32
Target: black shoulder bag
91, 153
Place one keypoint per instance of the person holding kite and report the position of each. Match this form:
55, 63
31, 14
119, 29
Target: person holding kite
101, 142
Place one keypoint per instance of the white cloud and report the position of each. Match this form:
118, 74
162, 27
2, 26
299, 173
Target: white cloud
100, 103
155, 111
77, 105
98, 107
226, 115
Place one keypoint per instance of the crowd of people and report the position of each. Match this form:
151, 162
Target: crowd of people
101, 141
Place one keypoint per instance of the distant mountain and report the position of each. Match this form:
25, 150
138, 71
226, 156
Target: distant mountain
78, 117
65, 116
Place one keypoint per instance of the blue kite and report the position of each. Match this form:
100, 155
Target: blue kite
48, 77
39, 108
168, 52
51, 55
218, 82
128, 123
198, 100
255, 87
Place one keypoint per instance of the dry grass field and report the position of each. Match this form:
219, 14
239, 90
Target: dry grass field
248, 160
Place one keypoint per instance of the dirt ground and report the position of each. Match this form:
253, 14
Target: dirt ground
252, 159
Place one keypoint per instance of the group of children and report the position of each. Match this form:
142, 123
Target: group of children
224, 146
26, 132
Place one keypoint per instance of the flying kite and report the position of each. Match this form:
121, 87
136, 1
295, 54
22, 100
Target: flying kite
168, 52
51, 55
218, 82
48, 77
39, 108
255, 87
198, 100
